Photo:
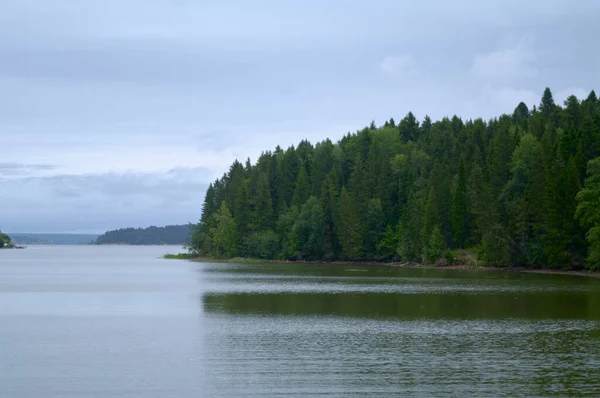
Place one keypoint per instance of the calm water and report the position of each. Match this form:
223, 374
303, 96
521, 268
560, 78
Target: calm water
121, 322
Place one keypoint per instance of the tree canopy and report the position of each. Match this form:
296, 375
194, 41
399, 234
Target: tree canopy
505, 189
168, 235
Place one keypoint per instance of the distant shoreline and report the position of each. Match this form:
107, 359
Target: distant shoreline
458, 267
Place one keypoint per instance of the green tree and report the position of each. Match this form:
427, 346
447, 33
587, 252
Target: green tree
494, 243
262, 217
383, 191
309, 230
524, 200
435, 247
374, 227
460, 206
225, 234
547, 104
5, 241
302, 190
588, 212
265, 244
409, 229
285, 228
349, 229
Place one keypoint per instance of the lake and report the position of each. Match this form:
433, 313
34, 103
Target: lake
119, 321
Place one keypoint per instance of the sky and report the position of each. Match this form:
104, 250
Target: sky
119, 113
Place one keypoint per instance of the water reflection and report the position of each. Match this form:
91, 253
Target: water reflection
370, 292
408, 306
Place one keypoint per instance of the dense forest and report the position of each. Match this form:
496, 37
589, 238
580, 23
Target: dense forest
168, 235
520, 189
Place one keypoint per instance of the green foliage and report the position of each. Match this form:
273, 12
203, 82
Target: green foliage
5, 241
435, 247
178, 256
375, 225
588, 211
460, 207
265, 244
309, 230
414, 191
285, 227
168, 235
349, 228
225, 234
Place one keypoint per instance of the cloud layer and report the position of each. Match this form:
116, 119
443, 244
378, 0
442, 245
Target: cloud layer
119, 113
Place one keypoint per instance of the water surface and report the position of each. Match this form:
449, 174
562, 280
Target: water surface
119, 321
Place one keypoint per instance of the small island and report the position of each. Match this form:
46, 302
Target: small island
6, 242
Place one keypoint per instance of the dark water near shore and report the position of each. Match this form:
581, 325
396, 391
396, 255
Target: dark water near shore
118, 321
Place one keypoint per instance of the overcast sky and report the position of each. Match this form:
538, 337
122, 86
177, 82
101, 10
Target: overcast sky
119, 113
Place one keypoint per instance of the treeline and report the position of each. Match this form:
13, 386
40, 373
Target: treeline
520, 189
168, 235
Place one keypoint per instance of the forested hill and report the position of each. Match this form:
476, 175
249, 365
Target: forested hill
169, 235
519, 189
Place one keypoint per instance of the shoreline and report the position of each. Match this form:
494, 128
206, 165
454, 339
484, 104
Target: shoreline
457, 267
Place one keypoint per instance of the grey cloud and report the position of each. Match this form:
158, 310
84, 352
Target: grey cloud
13, 169
508, 63
175, 185
104, 201
84, 80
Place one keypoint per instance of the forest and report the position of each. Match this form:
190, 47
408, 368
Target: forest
522, 189
168, 235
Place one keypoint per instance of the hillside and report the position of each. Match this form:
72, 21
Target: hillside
168, 235
520, 189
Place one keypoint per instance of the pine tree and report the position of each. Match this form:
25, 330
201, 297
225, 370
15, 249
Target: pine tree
556, 239
302, 190
435, 247
410, 227
494, 246
262, 216
309, 229
460, 221
547, 103
588, 212
409, 128
225, 234
329, 203
349, 229
374, 227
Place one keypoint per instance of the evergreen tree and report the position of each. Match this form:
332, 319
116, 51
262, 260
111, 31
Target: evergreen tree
460, 220
391, 192
435, 247
309, 231
285, 229
588, 212
302, 190
409, 229
374, 227
225, 234
349, 228
547, 104
263, 205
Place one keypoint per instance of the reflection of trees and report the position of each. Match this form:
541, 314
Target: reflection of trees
553, 305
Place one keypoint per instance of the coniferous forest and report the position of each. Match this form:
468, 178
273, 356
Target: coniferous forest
167, 235
521, 189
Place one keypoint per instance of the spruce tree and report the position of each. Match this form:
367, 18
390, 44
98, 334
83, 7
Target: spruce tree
349, 229
460, 220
